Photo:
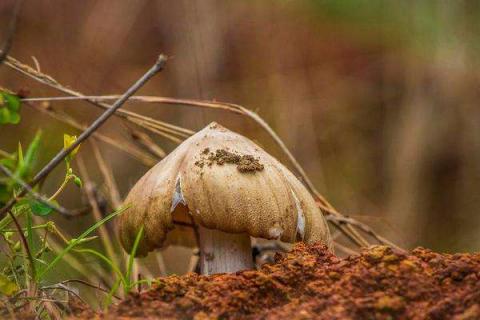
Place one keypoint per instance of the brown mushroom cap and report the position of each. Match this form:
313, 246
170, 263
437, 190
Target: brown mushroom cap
227, 183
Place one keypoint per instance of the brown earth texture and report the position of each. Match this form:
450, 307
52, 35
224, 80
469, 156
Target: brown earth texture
311, 283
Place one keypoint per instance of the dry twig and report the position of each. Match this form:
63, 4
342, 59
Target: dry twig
107, 174
148, 123
158, 66
123, 146
86, 283
145, 141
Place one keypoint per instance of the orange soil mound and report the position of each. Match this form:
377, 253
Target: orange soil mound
309, 282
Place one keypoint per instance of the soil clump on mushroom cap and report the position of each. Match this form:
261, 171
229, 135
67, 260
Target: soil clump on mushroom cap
311, 283
245, 163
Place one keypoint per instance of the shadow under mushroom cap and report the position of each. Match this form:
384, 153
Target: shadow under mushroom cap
225, 182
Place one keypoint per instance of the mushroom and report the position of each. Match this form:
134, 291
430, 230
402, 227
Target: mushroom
232, 190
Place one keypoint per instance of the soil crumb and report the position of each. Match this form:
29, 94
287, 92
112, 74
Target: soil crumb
244, 163
311, 283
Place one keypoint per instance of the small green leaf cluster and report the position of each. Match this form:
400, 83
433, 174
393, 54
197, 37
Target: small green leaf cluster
9, 108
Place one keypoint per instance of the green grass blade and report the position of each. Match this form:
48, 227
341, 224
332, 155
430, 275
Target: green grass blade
106, 260
73, 243
108, 298
31, 155
30, 240
131, 259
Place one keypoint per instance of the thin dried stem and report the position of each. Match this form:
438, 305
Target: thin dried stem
124, 146
51, 307
158, 131
28, 251
346, 220
64, 288
344, 249
85, 283
148, 99
147, 142
107, 174
102, 230
158, 66
4, 154
114, 193
143, 121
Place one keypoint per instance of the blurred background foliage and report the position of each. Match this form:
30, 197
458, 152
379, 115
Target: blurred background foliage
378, 100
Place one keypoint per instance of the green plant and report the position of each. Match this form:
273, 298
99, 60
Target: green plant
23, 268
31, 249
9, 108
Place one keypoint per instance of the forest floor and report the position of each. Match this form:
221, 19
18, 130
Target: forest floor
311, 283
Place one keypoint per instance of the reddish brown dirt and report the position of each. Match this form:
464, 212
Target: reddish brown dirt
245, 163
311, 283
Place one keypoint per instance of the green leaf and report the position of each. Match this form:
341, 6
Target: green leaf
5, 194
8, 236
25, 164
10, 163
29, 236
4, 115
68, 140
14, 118
32, 150
20, 155
11, 101
9, 108
39, 208
78, 181
7, 287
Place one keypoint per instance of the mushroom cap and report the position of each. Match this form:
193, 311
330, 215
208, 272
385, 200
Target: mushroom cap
225, 182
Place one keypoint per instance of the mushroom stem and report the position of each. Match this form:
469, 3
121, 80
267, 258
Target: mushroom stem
222, 252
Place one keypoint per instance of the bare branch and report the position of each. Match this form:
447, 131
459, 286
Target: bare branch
363, 227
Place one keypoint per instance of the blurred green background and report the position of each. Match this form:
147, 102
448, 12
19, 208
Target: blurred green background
378, 100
